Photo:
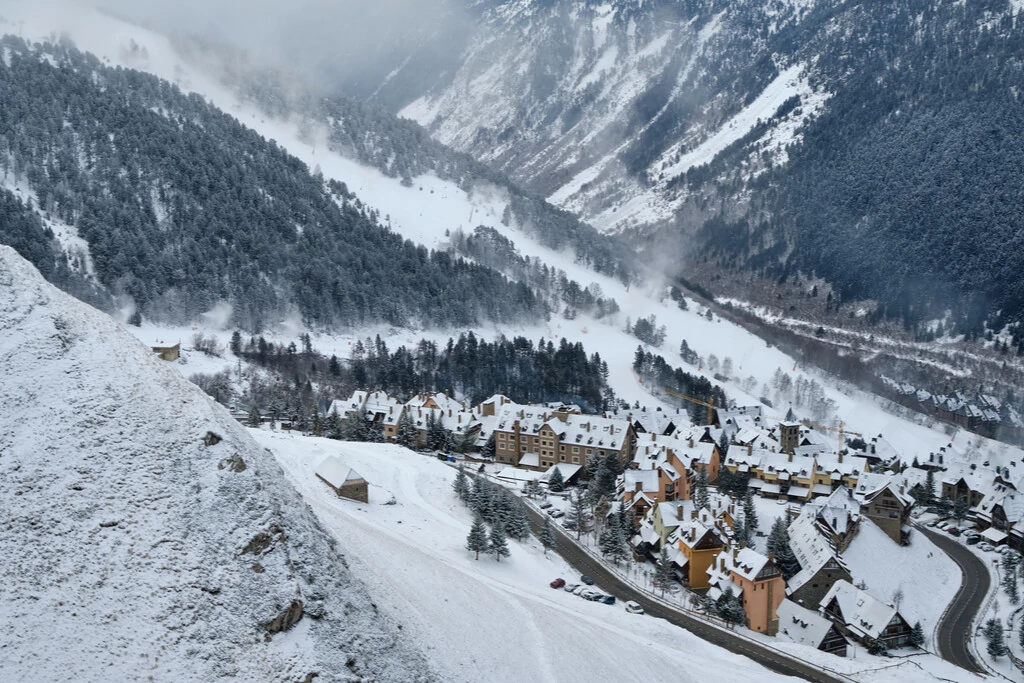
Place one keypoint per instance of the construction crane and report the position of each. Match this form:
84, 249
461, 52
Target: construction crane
709, 404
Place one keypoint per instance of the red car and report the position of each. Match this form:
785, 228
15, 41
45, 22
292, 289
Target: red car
558, 583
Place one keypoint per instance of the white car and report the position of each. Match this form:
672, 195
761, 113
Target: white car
634, 607
987, 547
572, 587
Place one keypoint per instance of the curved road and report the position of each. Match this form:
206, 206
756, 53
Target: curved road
955, 627
585, 564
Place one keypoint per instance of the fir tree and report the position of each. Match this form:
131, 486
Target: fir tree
254, 418
750, 513
663, 572
517, 524
373, 431
334, 426
236, 343
135, 319
779, 548
960, 509
614, 545
406, 434
729, 607
461, 485
929, 487
547, 535
489, 447
480, 499
1010, 578
700, 490
476, 542
877, 647
994, 643
556, 483
576, 518
498, 543
917, 635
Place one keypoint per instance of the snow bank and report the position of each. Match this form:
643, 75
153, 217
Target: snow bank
133, 547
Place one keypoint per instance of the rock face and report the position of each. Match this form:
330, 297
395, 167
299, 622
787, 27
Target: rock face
121, 538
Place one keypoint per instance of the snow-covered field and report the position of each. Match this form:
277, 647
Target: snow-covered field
926, 576
483, 620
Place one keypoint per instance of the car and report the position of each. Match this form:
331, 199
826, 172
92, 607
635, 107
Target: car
571, 587
579, 590
558, 583
545, 505
608, 599
556, 513
590, 594
1004, 550
986, 547
587, 580
973, 540
634, 607
955, 532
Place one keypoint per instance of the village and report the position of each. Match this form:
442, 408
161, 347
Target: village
749, 516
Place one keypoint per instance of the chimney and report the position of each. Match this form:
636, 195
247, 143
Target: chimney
693, 513
735, 552
691, 442
840, 457
679, 513
790, 457
750, 449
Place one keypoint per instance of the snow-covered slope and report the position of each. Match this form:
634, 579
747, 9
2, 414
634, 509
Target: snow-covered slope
130, 548
485, 620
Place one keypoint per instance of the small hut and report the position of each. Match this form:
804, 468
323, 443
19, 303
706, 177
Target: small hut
345, 481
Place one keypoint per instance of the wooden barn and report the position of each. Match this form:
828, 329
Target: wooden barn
345, 481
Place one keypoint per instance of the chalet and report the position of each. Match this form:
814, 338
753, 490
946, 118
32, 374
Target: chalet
345, 481
837, 517
168, 353
805, 627
1001, 515
700, 539
862, 618
756, 580
821, 566
886, 503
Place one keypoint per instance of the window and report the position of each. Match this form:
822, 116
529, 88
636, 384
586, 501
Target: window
575, 449
576, 459
590, 451
501, 446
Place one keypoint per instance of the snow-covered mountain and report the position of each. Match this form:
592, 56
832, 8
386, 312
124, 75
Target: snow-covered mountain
144, 534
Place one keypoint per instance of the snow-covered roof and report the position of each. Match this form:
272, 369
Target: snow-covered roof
838, 510
646, 479
871, 484
335, 472
801, 625
862, 613
566, 469
811, 549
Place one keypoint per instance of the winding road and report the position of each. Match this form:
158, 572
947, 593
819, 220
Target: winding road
955, 627
734, 643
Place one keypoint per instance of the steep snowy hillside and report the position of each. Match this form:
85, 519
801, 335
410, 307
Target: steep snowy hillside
132, 546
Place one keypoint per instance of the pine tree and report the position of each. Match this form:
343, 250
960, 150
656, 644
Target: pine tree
877, 647
489, 447
476, 542
750, 514
480, 499
318, 423
929, 487
1020, 633
700, 490
334, 426
917, 635
517, 523
461, 485
373, 431
663, 572
547, 535
779, 548
614, 545
729, 607
236, 343
406, 434
499, 545
995, 645
1010, 578
576, 518
135, 319
254, 418
960, 509
556, 483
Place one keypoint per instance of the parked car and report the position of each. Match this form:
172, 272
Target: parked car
608, 599
1004, 549
973, 540
579, 590
545, 505
556, 513
558, 583
587, 580
571, 587
953, 531
634, 607
987, 547
590, 594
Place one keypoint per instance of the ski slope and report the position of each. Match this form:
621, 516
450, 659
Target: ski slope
481, 620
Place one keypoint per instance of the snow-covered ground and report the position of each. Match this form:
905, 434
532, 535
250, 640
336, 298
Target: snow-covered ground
483, 620
926, 576
131, 548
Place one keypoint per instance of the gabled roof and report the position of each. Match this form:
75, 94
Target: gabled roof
862, 614
336, 473
811, 549
801, 625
